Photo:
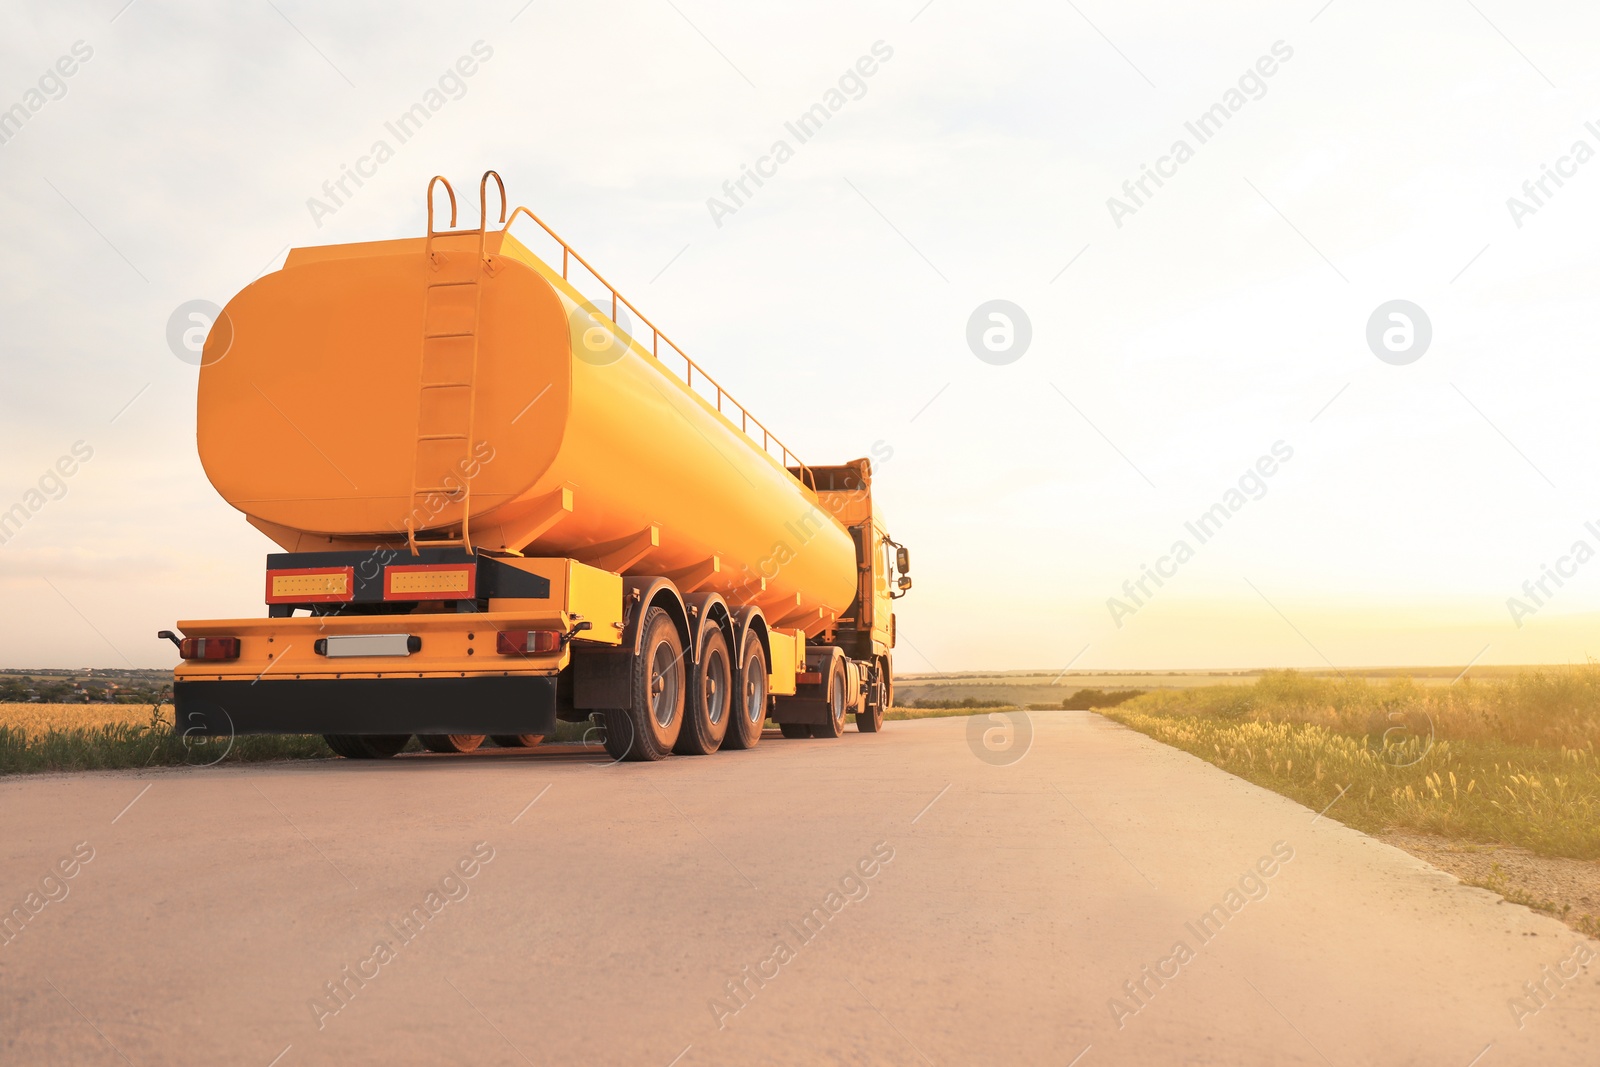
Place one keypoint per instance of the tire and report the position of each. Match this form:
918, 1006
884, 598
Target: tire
837, 702
710, 699
366, 746
658, 684
869, 720
750, 703
518, 740
340, 743
794, 729
450, 742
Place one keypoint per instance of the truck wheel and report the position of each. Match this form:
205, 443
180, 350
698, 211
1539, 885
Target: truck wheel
794, 729
869, 720
649, 729
340, 743
837, 704
710, 703
750, 705
450, 742
518, 740
366, 746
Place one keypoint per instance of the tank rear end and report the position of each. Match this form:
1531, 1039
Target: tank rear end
314, 419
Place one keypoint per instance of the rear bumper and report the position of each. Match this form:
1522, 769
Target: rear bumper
513, 704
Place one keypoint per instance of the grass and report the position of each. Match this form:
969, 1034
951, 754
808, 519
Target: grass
1511, 761
1546, 707
919, 712
36, 720
1089, 699
91, 737
964, 704
60, 738
1497, 882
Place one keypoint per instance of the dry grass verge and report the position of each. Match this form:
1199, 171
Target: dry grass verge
1509, 765
1564, 889
898, 712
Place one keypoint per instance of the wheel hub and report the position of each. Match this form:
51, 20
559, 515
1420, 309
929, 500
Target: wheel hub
663, 684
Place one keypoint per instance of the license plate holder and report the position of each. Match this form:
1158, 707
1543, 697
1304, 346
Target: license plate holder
352, 646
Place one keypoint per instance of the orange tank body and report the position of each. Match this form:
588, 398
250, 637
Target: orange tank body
392, 393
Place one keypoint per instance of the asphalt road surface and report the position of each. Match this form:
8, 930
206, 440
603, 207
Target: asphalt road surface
921, 896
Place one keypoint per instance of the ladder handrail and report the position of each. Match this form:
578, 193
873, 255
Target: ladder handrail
483, 211
656, 336
435, 180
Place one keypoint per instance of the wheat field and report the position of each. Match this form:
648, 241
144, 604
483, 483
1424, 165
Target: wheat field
77, 737
36, 720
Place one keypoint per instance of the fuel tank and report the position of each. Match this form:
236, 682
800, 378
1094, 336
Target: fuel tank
458, 389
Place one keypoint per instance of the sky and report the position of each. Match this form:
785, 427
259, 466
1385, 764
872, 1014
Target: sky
1178, 335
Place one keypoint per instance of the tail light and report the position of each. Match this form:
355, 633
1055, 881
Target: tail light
209, 648
311, 585
527, 642
431, 582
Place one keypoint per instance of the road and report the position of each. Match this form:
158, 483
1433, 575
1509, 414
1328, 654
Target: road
915, 897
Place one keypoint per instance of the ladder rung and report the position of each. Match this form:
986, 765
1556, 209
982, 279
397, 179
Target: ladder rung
456, 494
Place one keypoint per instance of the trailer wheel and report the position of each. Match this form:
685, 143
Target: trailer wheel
366, 746
750, 707
340, 743
710, 703
869, 720
450, 742
794, 729
518, 740
837, 704
649, 729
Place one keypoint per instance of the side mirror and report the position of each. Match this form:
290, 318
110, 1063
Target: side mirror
902, 560
904, 583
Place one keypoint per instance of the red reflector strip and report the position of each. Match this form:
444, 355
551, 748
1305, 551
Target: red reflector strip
456, 581
527, 642
209, 648
808, 678
311, 585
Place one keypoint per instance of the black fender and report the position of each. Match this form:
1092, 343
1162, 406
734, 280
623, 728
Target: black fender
857, 674
639, 595
819, 658
707, 611
750, 619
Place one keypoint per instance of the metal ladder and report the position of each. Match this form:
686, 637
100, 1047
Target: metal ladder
449, 332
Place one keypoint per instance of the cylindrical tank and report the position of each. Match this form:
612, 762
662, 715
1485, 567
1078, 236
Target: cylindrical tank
328, 419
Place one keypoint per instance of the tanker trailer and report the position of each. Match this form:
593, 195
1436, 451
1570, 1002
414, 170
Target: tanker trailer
498, 508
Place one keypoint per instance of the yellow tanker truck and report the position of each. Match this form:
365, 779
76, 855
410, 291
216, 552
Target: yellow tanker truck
498, 509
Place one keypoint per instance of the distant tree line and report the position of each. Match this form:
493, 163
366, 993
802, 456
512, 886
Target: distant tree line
20, 689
